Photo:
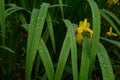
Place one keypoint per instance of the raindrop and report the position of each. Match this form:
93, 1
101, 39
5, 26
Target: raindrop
42, 18
32, 25
104, 65
37, 27
41, 50
38, 18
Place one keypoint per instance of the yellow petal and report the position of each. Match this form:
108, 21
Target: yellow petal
80, 30
84, 24
79, 38
83, 27
115, 1
110, 33
110, 2
113, 34
110, 29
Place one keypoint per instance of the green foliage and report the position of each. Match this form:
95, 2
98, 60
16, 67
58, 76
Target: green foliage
105, 63
85, 58
2, 20
96, 31
38, 40
71, 32
63, 57
45, 57
34, 33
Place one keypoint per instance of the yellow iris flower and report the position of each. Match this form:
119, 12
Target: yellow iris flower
84, 26
110, 2
110, 33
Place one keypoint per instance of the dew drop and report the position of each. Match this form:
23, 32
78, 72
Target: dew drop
42, 18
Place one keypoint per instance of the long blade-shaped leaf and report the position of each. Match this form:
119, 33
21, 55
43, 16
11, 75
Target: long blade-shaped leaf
29, 43
34, 35
110, 21
37, 64
63, 57
44, 77
45, 57
85, 59
45, 35
50, 29
73, 46
7, 49
9, 11
105, 63
117, 43
96, 30
25, 4
2, 19
58, 5
112, 15
61, 7
14, 8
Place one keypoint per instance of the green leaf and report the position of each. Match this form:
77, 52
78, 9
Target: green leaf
85, 58
96, 30
61, 7
105, 63
37, 64
34, 35
63, 57
58, 5
8, 49
50, 29
112, 15
2, 19
29, 44
13, 8
117, 43
45, 35
73, 46
47, 62
44, 77
110, 21
25, 4
22, 19
25, 26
